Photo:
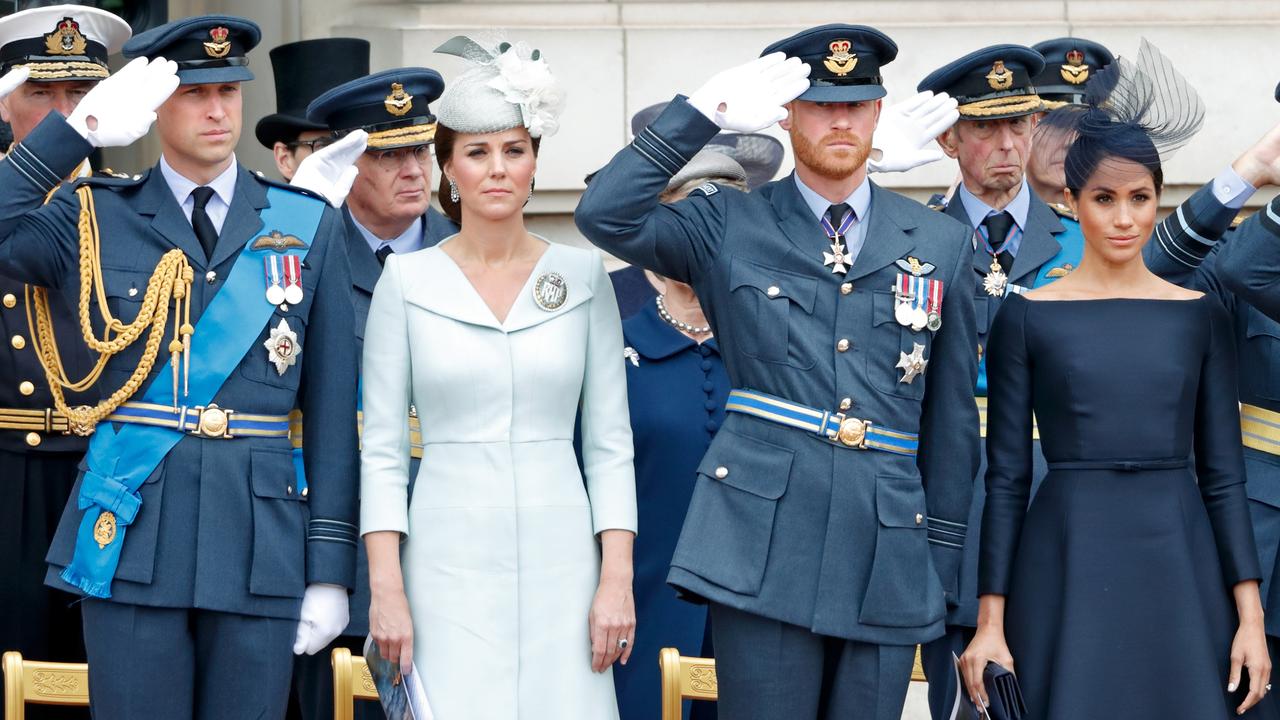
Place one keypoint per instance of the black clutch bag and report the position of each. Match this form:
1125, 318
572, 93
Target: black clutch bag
1002, 692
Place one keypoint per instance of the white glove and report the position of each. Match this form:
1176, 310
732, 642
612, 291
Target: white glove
121, 109
331, 170
749, 98
324, 616
12, 80
904, 137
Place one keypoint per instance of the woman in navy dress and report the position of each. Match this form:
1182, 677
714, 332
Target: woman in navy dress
1129, 587
676, 387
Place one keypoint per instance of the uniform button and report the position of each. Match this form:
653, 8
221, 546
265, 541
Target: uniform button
211, 277
704, 351
10, 300
919, 518
289, 491
712, 426
846, 403
708, 387
133, 291
304, 491
843, 345
33, 439
711, 405
26, 388
18, 342
846, 288
722, 472
772, 291
706, 365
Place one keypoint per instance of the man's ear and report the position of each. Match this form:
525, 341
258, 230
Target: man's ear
785, 123
949, 141
4, 107
284, 161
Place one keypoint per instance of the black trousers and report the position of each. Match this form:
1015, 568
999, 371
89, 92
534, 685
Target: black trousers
312, 695
148, 663
37, 621
770, 670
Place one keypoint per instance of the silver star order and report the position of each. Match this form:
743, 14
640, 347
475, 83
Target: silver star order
836, 258
913, 364
994, 283
282, 346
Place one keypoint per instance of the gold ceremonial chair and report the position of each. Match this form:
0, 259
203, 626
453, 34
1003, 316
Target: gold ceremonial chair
42, 683
351, 682
694, 678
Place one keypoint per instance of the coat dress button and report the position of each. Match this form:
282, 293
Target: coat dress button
846, 288
18, 342
843, 345
722, 472
846, 403
919, 518
772, 291
33, 439
10, 300
26, 388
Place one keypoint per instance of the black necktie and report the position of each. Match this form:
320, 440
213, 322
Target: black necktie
835, 215
200, 221
382, 253
998, 226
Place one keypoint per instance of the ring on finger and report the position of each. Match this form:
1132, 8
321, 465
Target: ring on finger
623, 643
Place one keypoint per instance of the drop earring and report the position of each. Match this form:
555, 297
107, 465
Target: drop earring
531, 186
453, 191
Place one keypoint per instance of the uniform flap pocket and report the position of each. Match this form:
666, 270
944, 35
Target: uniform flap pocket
1260, 324
900, 501
882, 307
748, 464
775, 284
984, 306
273, 475
125, 284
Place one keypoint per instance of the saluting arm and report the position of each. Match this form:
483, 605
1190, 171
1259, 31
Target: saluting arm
949, 445
1249, 265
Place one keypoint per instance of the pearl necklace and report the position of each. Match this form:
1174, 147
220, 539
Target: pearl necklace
678, 324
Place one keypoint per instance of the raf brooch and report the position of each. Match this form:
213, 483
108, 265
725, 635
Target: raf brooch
550, 291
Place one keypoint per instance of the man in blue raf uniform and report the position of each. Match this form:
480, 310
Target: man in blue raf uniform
303, 71
1019, 243
202, 560
49, 57
829, 512
389, 199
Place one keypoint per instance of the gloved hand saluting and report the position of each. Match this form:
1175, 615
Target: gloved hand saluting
121, 109
749, 98
904, 137
323, 617
12, 80
329, 172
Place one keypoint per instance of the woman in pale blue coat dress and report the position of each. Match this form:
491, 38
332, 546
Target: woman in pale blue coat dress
506, 581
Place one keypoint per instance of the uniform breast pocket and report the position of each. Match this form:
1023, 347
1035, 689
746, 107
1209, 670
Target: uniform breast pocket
1260, 368
125, 291
770, 301
898, 359
275, 358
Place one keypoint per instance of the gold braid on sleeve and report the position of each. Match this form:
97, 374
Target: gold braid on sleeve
170, 283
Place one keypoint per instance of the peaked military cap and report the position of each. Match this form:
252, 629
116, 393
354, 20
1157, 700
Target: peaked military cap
757, 154
992, 83
1069, 64
61, 42
303, 71
207, 48
844, 61
390, 105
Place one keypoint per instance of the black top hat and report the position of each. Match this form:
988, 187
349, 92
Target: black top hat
1069, 65
303, 71
991, 83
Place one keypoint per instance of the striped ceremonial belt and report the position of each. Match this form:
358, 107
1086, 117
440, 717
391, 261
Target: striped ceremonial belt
1260, 429
415, 431
208, 421
836, 428
982, 419
46, 420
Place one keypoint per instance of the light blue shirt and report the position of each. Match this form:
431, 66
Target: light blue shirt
1232, 190
1018, 208
224, 188
408, 241
859, 201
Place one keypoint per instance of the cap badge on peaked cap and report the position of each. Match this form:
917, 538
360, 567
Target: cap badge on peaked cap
220, 47
1075, 71
841, 61
66, 39
398, 102
1000, 77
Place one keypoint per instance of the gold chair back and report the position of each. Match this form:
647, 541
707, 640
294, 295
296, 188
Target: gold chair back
42, 683
694, 678
351, 682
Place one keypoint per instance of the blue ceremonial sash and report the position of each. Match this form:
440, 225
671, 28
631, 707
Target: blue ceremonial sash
1067, 259
119, 461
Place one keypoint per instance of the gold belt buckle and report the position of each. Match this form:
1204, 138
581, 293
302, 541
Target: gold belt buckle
214, 422
852, 432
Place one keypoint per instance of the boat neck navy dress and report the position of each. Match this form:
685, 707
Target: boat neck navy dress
1118, 576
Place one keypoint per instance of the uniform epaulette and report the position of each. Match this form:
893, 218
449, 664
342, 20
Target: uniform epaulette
706, 189
270, 182
937, 202
108, 172
1063, 211
109, 179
